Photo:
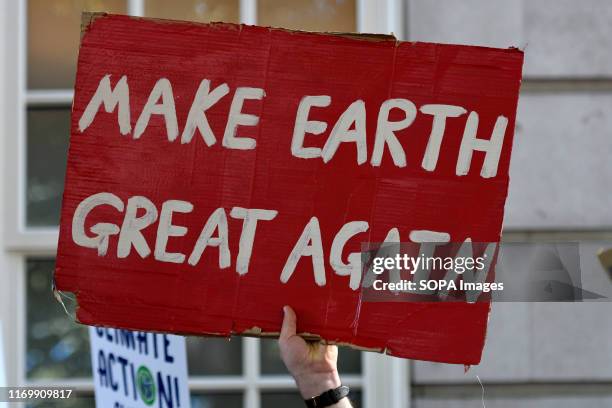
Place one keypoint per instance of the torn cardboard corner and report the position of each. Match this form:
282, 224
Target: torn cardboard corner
60, 296
219, 172
88, 18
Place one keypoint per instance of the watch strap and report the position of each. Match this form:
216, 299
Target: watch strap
328, 398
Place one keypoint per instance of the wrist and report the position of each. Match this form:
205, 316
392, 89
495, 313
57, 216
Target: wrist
314, 384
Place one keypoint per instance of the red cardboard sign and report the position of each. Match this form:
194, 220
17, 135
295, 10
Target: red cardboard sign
218, 172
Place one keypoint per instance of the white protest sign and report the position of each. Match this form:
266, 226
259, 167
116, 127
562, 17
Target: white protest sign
138, 369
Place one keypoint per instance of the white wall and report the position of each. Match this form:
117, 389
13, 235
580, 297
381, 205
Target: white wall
542, 355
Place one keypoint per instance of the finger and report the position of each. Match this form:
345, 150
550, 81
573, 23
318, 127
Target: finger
289, 323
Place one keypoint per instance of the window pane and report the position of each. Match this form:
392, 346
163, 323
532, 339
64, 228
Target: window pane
349, 360
54, 28
310, 15
281, 400
47, 149
294, 399
56, 346
195, 10
216, 400
214, 356
72, 402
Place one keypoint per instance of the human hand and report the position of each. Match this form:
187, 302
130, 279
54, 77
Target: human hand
313, 365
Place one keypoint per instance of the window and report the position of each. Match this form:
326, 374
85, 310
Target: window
50, 349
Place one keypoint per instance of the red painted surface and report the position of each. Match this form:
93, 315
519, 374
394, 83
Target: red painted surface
146, 294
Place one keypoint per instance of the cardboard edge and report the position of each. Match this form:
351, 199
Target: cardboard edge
312, 337
88, 18
256, 332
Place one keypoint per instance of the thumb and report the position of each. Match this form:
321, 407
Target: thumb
289, 323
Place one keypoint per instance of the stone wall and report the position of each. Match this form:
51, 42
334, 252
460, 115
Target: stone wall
541, 355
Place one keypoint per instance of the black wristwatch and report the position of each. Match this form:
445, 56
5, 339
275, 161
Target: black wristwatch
328, 398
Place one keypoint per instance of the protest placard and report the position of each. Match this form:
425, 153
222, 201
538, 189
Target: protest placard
217, 172
138, 369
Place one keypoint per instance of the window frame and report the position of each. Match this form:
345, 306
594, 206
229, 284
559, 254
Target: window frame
384, 380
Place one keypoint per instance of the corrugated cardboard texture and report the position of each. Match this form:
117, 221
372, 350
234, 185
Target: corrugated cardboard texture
147, 294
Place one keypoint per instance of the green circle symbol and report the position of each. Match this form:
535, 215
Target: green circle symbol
145, 383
